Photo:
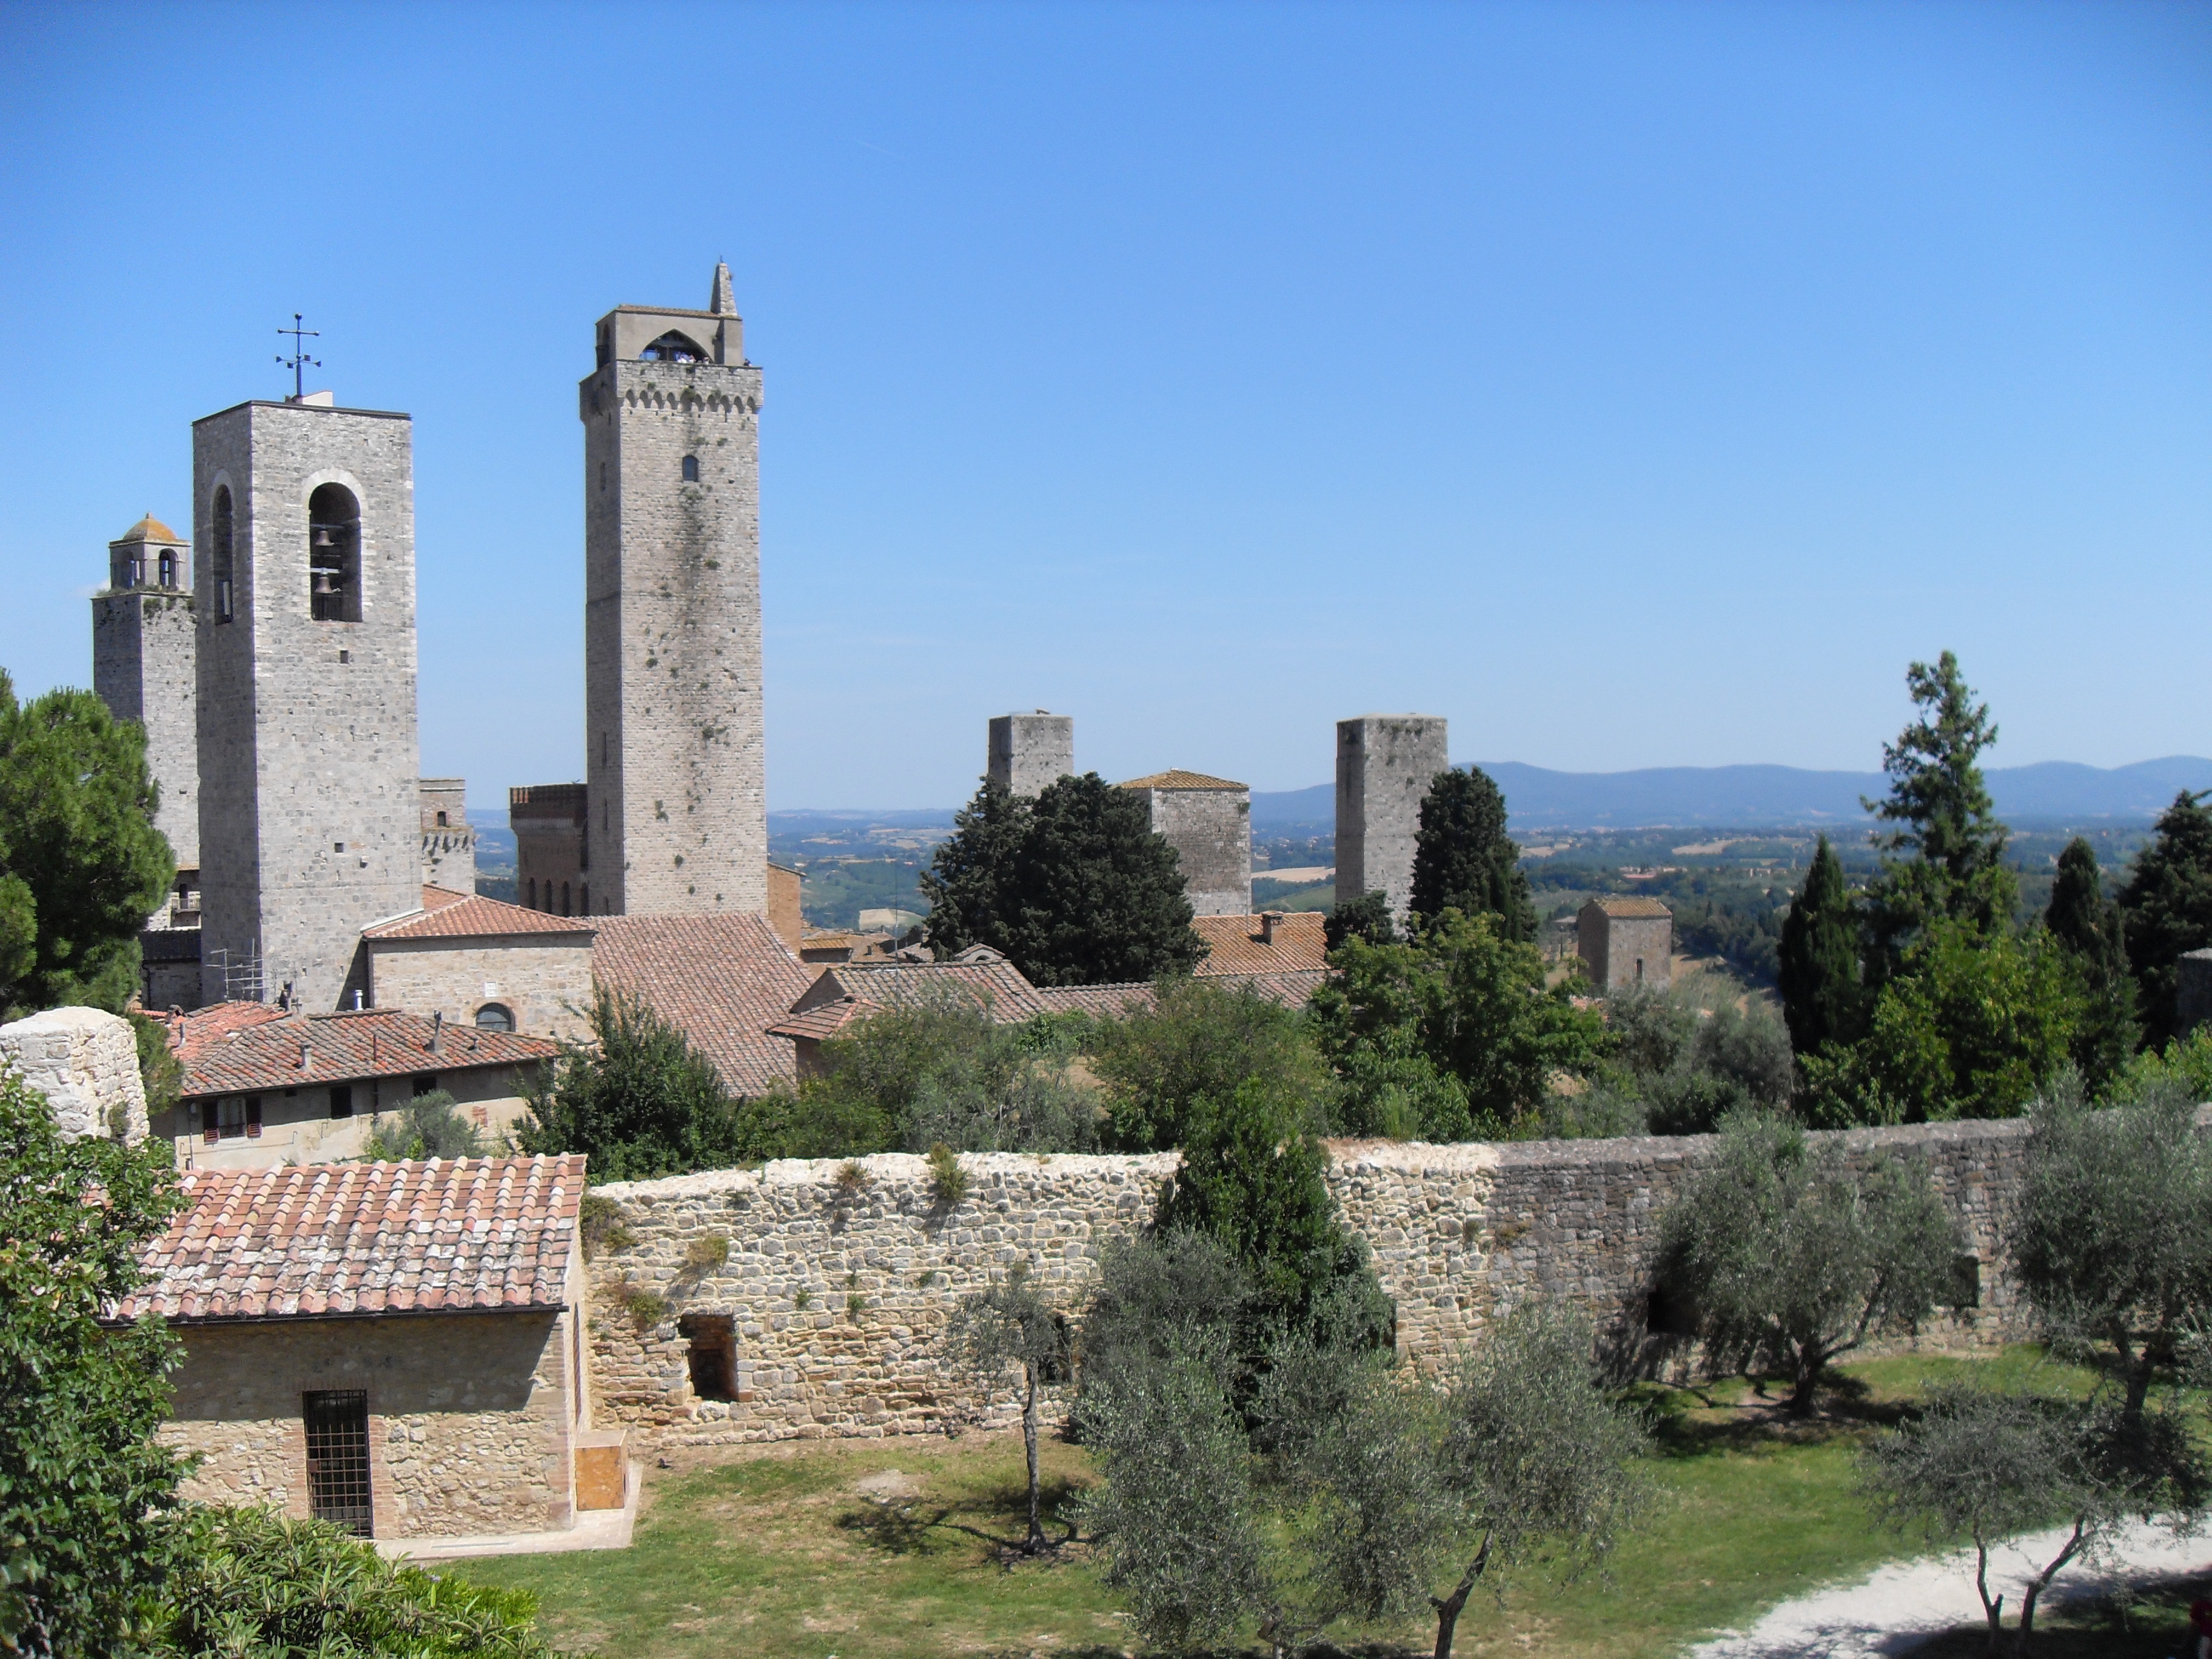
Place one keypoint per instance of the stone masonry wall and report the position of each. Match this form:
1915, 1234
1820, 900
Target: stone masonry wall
143, 646
470, 1416
1384, 765
85, 1062
544, 980
1211, 830
676, 748
838, 1294
1028, 752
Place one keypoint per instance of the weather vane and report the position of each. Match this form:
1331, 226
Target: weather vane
298, 359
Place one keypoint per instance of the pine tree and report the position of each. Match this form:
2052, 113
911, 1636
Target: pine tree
1464, 860
2167, 904
2087, 927
1822, 999
1949, 825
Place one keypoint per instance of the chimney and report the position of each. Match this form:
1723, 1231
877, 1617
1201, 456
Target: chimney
1267, 921
437, 1029
307, 1056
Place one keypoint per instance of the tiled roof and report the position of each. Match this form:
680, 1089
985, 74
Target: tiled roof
1181, 780
324, 1239
722, 980
998, 986
1108, 1001
1293, 989
824, 1020
149, 529
1627, 904
1233, 947
464, 915
234, 1047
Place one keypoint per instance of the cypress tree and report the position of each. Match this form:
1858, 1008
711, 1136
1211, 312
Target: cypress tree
1822, 998
2167, 904
1464, 860
967, 880
2087, 926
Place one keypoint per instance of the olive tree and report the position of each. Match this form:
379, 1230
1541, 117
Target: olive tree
1788, 1257
1010, 1324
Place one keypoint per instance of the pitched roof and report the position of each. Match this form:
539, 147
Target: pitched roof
1628, 905
1107, 1001
236, 1047
149, 529
449, 915
721, 979
824, 1020
998, 985
302, 1242
1293, 989
1181, 780
1233, 943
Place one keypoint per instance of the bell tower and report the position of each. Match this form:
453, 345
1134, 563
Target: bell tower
310, 817
143, 647
677, 753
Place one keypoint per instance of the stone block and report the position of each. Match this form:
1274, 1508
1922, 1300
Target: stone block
85, 1061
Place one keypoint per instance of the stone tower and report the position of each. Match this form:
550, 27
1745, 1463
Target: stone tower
1029, 751
1384, 765
1208, 821
310, 812
142, 648
678, 778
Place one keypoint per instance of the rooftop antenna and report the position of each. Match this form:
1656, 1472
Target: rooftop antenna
298, 359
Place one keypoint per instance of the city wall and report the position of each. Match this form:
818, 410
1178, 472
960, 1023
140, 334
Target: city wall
837, 1291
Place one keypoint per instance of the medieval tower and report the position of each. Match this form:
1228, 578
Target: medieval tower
1384, 766
1029, 752
310, 815
675, 758
142, 648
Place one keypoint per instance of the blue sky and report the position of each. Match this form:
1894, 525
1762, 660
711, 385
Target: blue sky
1635, 386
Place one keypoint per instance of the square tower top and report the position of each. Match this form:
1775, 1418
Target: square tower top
716, 335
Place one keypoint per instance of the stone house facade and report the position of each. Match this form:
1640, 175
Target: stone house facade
1208, 821
480, 963
1626, 939
399, 1348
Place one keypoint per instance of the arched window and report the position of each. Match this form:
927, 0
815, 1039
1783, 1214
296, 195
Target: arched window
168, 570
564, 898
495, 1017
334, 554
673, 348
220, 533
690, 469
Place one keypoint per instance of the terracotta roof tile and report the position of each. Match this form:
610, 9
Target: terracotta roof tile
998, 986
1176, 778
1107, 1001
234, 1047
149, 529
1628, 905
466, 915
824, 1020
1233, 943
722, 980
325, 1239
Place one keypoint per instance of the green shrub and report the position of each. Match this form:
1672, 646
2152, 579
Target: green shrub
599, 1220
706, 1252
948, 1181
644, 1309
637, 1099
428, 1126
1199, 1042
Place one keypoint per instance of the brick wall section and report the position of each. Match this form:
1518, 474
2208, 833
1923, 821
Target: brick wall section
143, 644
543, 979
1459, 1235
300, 751
470, 1416
1384, 765
677, 753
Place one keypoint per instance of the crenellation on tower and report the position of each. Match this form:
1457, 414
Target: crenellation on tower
676, 749
310, 804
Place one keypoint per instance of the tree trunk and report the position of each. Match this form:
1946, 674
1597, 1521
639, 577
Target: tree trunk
1805, 1377
1036, 1542
2036, 1586
1993, 1611
1448, 1607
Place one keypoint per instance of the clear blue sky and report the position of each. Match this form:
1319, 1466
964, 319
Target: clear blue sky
1638, 385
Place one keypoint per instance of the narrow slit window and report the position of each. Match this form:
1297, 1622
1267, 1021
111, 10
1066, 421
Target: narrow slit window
220, 536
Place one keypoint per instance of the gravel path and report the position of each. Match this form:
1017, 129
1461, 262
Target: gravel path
1902, 1605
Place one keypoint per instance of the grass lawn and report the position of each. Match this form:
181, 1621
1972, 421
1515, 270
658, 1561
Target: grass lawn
883, 1547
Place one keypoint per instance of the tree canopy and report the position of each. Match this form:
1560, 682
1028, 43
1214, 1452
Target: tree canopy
1822, 999
81, 866
1073, 887
2167, 908
2087, 927
1464, 860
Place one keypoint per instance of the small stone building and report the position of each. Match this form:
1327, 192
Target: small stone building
449, 843
1624, 939
399, 1348
262, 1086
1208, 821
480, 963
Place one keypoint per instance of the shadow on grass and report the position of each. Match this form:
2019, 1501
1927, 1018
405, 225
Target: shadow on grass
2149, 1617
1746, 1415
911, 1527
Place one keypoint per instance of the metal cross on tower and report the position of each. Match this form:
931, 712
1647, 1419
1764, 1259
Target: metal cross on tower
298, 359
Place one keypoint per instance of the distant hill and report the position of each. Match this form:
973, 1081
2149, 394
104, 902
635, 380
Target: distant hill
1749, 797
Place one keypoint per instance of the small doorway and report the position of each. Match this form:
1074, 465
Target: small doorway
712, 1354
338, 1459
